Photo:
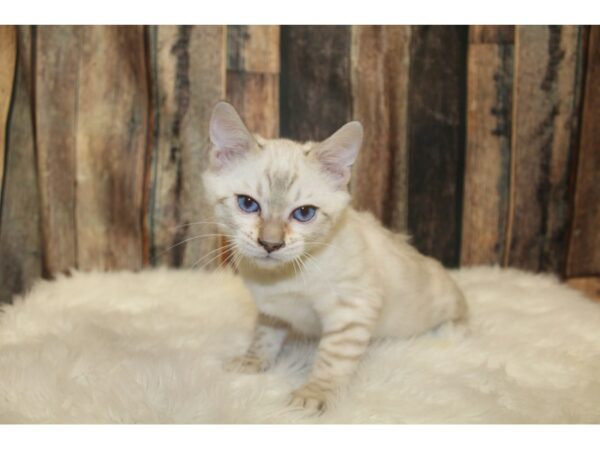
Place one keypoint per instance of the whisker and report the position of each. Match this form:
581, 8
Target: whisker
217, 250
236, 261
201, 222
294, 266
214, 258
227, 260
191, 239
303, 269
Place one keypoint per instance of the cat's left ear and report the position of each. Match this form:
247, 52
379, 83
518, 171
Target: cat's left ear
337, 153
230, 138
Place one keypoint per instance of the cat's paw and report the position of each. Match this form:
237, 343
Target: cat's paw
247, 364
310, 398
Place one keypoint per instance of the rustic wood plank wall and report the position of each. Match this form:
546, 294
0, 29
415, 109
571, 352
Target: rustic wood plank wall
487, 163
584, 254
436, 139
480, 141
8, 58
547, 91
20, 238
380, 62
253, 65
315, 80
187, 66
55, 76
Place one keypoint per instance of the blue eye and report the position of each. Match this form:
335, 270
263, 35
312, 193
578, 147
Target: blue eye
304, 213
248, 204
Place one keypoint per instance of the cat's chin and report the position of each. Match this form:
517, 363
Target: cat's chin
267, 262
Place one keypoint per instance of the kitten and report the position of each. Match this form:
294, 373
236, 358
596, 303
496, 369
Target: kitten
312, 263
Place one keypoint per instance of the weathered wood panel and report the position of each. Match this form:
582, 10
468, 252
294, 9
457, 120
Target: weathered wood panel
20, 240
120, 120
487, 163
545, 104
56, 82
188, 71
436, 139
589, 286
380, 74
253, 66
111, 131
584, 246
315, 80
8, 56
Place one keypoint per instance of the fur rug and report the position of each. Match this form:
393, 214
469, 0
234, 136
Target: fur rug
148, 347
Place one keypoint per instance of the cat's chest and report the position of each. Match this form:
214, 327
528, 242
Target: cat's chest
293, 305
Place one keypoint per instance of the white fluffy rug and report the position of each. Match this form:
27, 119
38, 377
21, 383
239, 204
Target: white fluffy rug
148, 347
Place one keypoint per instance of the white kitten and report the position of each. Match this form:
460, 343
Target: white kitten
311, 262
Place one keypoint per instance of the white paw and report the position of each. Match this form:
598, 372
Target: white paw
311, 398
246, 364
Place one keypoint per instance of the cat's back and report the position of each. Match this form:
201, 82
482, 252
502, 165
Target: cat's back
418, 293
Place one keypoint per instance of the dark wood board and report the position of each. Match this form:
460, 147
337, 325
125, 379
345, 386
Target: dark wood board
584, 246
436, 139
20, 239
315, 80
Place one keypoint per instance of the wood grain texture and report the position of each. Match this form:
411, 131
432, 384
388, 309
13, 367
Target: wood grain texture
20, 240
590, 286
112, 116
380, 73
487, 162
492, 34
253, 66
315, 80
436, 139
8, 56
56, 84
188, 72
584, 246
546, 97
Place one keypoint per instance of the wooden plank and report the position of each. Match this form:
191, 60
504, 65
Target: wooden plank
20, 240
188, 67
253, 65
111, 131
380, 73
56, 77
491, 34
253, 48
436, 139
315, 80
487, 162
547, 89
590, 286
8, 55
584, 245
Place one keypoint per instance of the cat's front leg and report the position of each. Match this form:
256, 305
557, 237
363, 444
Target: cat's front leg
346, 335
269, 335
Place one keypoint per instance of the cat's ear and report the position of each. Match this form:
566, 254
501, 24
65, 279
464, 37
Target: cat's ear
230, 137
337, 153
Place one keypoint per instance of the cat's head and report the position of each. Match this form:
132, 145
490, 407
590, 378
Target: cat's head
277, 199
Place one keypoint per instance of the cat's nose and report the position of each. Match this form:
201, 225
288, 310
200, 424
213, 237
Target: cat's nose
271, 246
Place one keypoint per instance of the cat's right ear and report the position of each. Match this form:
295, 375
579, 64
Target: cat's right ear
230, 138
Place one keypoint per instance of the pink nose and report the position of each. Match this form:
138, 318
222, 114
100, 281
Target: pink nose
271, 246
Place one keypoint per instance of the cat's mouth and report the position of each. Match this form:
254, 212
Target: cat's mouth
269, 259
